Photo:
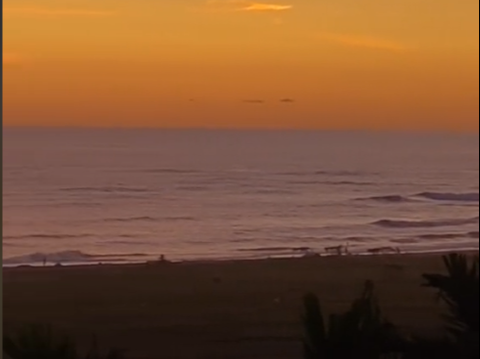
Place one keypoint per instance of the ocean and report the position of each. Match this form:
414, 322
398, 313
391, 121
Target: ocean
84, 196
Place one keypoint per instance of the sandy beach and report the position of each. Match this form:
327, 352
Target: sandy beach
248, 309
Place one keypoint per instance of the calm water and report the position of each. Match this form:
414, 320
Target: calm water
130, 195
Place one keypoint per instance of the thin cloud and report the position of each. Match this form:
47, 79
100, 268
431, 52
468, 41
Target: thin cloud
287, 100
366, 42
264, 7
244, 6
38, 11
254, 102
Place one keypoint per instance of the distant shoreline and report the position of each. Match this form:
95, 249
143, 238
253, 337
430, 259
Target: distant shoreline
431, 253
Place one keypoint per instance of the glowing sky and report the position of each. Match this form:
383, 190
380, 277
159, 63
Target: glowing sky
370, 64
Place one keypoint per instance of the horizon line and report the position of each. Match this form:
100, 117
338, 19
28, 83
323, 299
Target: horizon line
248, 129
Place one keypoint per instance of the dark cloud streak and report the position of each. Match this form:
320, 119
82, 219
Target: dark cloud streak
254, 102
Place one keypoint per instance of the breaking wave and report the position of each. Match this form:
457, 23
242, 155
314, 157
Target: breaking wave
433, 196
131, 219
387, 199
450, 197
114, 189
443, 236
333, 183
48, 236
276, 249
333, 173
68, 257
148, 219
399, 224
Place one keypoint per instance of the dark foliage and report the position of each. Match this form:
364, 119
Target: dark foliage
459, 289
360, 333
363, 332
40, 342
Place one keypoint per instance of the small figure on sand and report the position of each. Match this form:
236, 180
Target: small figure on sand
338, 250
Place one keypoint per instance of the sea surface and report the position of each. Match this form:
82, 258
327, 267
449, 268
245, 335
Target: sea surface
90, 196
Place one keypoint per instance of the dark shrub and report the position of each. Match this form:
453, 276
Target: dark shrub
360, 333
40, 342
459, 290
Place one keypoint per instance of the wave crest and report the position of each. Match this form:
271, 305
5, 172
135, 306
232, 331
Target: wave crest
48, 236
131, 219
387, 199
149, 219
276, 249
114, 189
66, 257
450, 197
399, 224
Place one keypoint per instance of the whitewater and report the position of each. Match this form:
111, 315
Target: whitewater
84, 196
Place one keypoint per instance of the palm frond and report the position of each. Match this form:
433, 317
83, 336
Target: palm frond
459, 290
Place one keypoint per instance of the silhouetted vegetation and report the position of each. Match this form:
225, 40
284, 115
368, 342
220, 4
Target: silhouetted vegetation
363, 332
459, 290
40, 342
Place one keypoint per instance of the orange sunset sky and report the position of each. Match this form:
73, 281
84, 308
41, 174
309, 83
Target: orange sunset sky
343, 64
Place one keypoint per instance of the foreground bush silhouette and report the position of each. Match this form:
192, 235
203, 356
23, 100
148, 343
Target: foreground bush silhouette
459, 290
363, 333
39, 342
360, 333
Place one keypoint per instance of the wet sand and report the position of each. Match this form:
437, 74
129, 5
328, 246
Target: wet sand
224, 310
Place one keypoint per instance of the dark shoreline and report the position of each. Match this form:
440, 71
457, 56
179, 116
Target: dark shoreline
233, 260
